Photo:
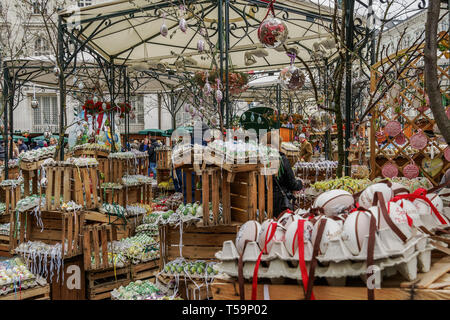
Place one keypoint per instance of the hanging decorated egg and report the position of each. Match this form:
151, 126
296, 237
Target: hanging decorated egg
81, 85
219, 95
164, 30
200, 45
207, 89
56, 71
272, 32
104, 106
447, 153
183, 25
292, 78
95, 99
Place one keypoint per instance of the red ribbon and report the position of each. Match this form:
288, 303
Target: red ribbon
99, 121
272, 228
421, 194
301, 255
410, 221
271, 9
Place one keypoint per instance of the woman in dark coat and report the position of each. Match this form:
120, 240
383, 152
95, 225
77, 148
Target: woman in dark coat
283, 185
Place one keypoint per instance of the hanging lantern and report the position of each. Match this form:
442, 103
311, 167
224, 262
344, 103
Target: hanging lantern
272, 32
200, 45
34, 103
56, 71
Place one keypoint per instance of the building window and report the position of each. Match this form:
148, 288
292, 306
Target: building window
41, 47
46, 115
39, 7
84, 3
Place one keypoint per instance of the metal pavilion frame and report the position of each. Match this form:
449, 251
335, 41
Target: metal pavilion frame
225, 29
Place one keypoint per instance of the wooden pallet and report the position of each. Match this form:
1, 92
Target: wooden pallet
145, 271
36, 293
100, 284
199, 242
432, 285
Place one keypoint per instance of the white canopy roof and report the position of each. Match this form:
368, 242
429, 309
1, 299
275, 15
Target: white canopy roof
128, 31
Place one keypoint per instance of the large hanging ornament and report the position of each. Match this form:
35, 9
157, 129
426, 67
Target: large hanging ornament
419, 140
34, 103
272, 32
164, 30
321, 121
292, 78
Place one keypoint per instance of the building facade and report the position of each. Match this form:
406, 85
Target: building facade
25, 22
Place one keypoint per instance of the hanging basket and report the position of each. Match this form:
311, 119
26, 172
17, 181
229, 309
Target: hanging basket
419, 141
393, 128
400, 139
389, 170
411, 170
447, 153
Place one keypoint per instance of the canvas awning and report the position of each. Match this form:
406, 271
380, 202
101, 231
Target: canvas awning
128, 32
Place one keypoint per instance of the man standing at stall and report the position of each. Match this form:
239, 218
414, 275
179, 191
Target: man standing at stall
305, 149
152, 156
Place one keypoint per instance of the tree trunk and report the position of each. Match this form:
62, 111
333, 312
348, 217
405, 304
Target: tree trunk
340, 137
431, 73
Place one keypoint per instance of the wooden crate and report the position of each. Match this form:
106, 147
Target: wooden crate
123, 231
95, 239
187, 289
36, 293
145, 271
30, 173
58, 227
90, 153
73, 183
142, 165
199, 242
100, 284
73, 287
162, 175
432, 285
242, 193
9, 242
163, 159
